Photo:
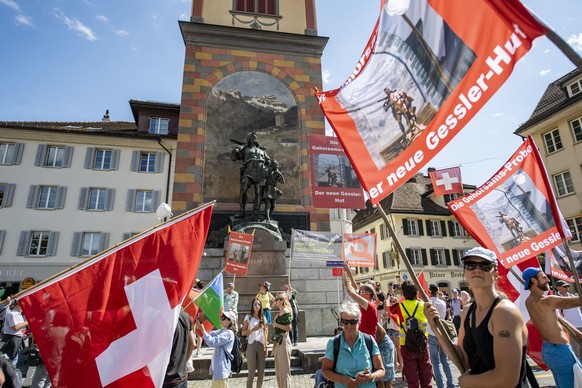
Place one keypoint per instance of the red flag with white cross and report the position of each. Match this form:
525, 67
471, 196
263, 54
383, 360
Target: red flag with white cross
110, 321
446, 181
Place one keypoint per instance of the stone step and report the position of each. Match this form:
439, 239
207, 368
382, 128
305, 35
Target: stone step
295, 370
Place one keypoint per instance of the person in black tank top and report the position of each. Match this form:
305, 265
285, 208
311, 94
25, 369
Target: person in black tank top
493, 338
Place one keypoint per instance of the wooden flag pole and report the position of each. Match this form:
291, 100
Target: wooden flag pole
443, 338
573, 268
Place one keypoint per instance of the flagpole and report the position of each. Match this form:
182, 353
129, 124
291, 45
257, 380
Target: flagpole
573, 267
444, 340
343, 257
75, 266
290, 258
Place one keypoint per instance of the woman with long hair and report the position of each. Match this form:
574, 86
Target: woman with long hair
254, 328
281, 342
493, 337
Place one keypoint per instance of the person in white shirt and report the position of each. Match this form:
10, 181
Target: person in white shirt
12, 334
574, 315
437, 354
231, 299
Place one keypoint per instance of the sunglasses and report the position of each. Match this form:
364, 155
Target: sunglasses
257, 304
483, 266
364, 292
224, 317
350, 321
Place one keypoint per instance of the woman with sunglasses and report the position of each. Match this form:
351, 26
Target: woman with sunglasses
254, 329
222, 341
356, 365
282, 343
493, 337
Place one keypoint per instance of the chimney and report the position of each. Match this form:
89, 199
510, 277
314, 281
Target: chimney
105, 118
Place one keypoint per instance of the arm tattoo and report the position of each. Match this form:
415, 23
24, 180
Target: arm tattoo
504, 334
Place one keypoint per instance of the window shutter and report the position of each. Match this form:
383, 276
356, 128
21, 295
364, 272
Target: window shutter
40, 155
104, 241
89, 158
52, 244
448, 257
32, 200
8, 194
408, 253
83, 198
156, 195
420, 232
109, 199
424, 257
76, 247
114, 159
428, 228
135, 160
433, 257
456, 257
451, 228
18, 147
130, 205
159, 166
2, 233
444, 228
61, 194
68, 157
23, 243
405, 226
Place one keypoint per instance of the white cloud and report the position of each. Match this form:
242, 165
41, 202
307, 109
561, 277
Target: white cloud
546, 51
326, 75
23, 19
184, 16
102, 18
75, 25
496, 114
545, 72
120, 32
11, 4
575, 41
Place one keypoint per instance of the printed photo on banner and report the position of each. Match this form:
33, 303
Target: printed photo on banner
558, 263
425, 72
238, 253
335, 183
514, 213
360, 249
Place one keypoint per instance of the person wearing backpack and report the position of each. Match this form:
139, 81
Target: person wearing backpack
222, 341
417, 368
254, 328
352, 358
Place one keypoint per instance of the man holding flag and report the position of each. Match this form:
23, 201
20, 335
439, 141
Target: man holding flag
556, 350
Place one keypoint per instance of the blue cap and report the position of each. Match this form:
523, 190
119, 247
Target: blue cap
528, 274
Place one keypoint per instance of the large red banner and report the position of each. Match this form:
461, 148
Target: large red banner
427, 69
558, 263
111, 321
334, 181
514, 213
238, 253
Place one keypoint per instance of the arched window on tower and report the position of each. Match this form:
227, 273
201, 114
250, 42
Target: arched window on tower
265, 7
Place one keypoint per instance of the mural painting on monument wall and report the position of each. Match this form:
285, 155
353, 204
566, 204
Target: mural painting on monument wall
237, 105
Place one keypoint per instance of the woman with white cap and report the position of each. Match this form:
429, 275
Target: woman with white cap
222, 341
493, 337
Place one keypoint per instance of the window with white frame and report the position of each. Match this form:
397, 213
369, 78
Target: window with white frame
145, 161
6, 194
563, 183
412, 225
143, 201
46, 197
457, 230
575, 225
438, 257
575, 88
552, 141
102, 159
449, 197
11, 153
576, 127
55, 156
415, 256
159, 126
435, 228
96, 199
89, 243
458, 253
37, 243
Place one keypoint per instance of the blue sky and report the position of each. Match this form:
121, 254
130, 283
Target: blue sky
70, 60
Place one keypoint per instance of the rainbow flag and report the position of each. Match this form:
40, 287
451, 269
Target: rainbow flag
210, 300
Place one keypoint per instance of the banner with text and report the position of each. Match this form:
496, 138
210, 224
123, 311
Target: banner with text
558, 263
238, 253
334, 182
514, 213
425, 72
359, 250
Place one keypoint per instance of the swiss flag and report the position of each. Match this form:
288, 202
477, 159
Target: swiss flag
446, 181
110, 321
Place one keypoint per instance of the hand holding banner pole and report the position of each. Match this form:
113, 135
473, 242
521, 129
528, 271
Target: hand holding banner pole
444, 340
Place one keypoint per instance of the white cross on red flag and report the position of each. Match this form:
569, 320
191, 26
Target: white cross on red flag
111, 320
446, 181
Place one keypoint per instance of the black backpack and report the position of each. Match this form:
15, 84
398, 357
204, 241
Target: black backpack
235, 357
415, 339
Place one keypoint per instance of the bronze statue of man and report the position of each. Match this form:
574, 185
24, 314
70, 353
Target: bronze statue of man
271, 192
254, 171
